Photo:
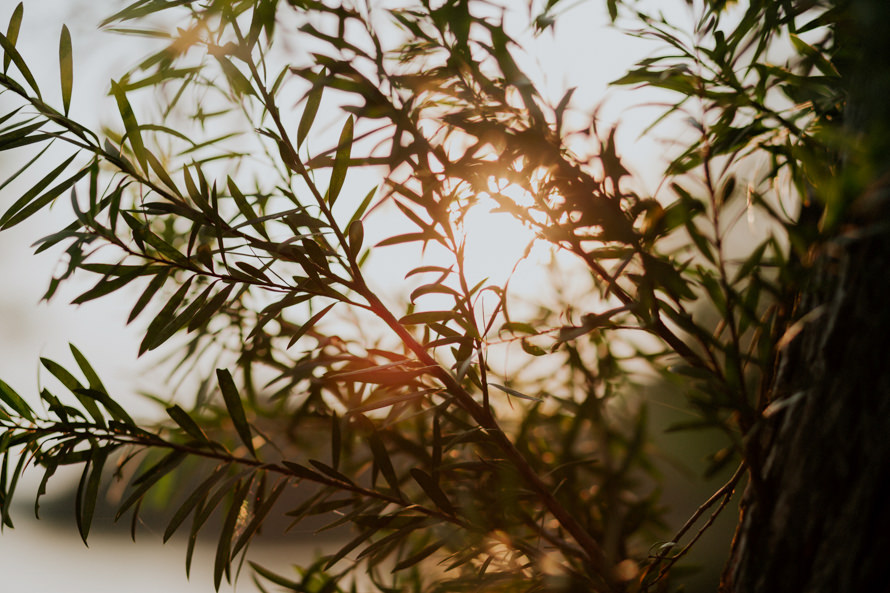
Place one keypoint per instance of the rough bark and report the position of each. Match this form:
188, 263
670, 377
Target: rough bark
816, 514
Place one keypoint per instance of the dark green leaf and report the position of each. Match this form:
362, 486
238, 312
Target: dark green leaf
381, 458
210, 309
303, 472
73, 385
416, 557
432, 489
222, 560
237, 81
153, 286
114, 409
308, 325
149, 478
186, 423
235, 407
180, 320
88, 491
259, 515
14, 401
328, 470
278, 580
7, 491
32, 193
103, 287
197, 495
163, 319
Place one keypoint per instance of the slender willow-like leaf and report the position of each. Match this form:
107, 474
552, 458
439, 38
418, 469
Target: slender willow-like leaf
341, 161
235, 407
66, 68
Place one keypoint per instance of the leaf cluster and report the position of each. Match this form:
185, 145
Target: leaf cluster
249, 253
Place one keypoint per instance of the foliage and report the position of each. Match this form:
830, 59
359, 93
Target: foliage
454, 473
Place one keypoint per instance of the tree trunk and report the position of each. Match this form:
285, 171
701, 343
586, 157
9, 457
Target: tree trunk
816, 514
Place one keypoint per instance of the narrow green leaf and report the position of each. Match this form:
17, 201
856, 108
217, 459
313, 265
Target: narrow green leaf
245, 209
432, 489
24, 167
153, 286
161, 172
350, 546
407, 238
383, 461
336, 441
303, 472
186, 423
88, 492
211, 308
9, 490
341, 161
277, 579
193, 499
237, 81
205, 508
103, 287
751, 262
329, 471
114, 409
73, 385
11, 53
86, 369
32, 193
14, 401
360, 211
260, 513
313, 100
426, 317
308, 325
163, 318
130, 124
514, 393
12, 32
51, 467
416, 557
180, 320
66, 68
235, 407
222, 560
149, 478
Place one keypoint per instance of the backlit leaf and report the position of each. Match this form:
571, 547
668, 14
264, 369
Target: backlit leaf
130, 124
313, 100
66, 68
12, 32
341, 161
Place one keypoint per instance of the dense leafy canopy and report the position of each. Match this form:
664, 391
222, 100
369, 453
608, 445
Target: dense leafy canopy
242, 223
